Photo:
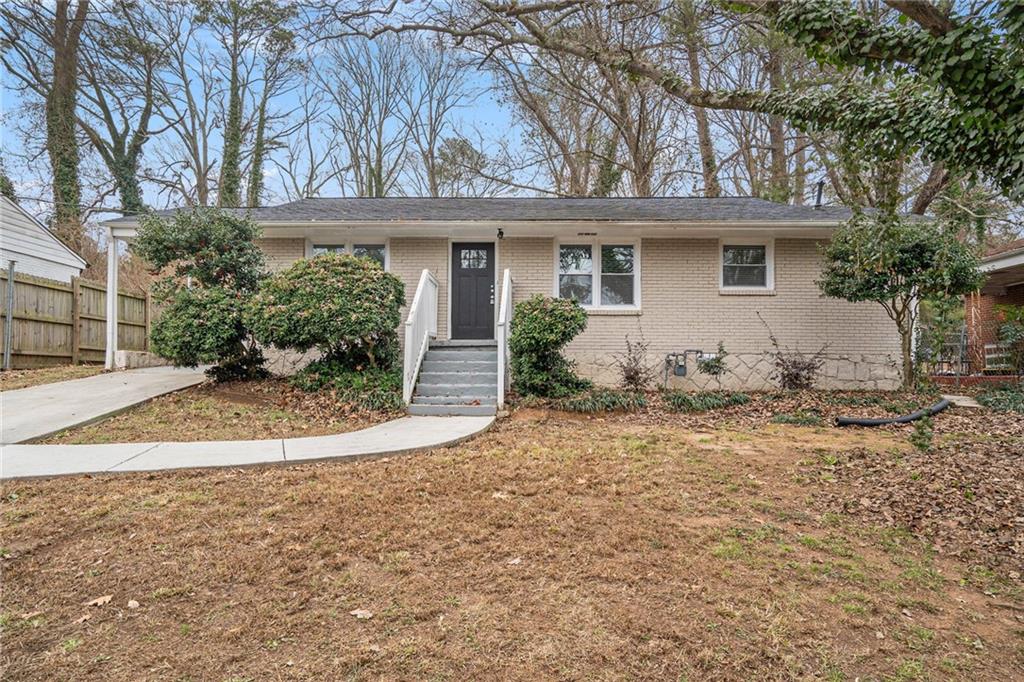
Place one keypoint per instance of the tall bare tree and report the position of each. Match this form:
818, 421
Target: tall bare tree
41, 47
367, 83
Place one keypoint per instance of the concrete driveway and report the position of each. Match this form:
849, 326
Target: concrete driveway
32, 413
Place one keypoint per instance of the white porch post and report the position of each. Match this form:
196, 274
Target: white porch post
111, 299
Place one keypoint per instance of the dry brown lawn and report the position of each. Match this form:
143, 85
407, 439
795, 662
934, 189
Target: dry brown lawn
241, 410
548, 548
24, 378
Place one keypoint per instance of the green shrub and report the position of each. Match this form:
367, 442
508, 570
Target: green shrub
1006, 398
205, 245
373, 390
541, 327
799, 418
346, 307
216, 266
921, 436
714, 366
682, 401
603, 400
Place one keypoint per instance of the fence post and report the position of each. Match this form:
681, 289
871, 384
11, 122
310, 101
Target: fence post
9, 316
76, 321
148, 319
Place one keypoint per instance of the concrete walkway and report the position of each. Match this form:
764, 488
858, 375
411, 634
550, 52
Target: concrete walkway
38, 411
401, 435
962, 401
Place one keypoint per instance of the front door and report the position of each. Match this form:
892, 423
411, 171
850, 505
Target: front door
473, 290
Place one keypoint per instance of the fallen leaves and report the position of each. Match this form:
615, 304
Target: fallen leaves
100, 601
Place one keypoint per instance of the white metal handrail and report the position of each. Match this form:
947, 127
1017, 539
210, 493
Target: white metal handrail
505, 311
420, 327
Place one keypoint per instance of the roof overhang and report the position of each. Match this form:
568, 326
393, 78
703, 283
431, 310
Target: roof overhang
560, 229
1003, 270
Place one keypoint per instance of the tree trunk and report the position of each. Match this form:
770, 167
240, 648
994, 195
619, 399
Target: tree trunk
61, 142
907, 350
258, 152
230, 171
706, 146
800, 170
778, 185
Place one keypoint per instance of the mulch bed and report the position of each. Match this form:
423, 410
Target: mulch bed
764, 407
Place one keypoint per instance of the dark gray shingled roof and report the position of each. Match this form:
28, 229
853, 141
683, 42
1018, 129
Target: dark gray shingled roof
523, 209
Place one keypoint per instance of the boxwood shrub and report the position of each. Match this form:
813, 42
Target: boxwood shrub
541, 328
346, 307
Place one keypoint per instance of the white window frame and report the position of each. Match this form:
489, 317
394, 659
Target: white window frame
769, 257
350, 245
595, 245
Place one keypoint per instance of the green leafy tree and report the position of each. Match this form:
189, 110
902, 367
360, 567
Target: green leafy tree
541, 327
215, 267
897, 262
346, 307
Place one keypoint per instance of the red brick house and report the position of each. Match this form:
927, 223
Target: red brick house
1004, 285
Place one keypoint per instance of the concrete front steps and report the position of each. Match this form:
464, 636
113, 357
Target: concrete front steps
457, 378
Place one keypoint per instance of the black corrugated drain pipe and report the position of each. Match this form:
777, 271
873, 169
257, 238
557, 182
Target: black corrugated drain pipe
905, 419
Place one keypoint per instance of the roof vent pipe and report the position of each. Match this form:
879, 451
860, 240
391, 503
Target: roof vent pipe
817, 200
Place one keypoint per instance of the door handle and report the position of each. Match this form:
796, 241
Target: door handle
492, 294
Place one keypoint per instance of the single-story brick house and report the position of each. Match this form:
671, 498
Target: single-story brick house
1004, 285
685, 273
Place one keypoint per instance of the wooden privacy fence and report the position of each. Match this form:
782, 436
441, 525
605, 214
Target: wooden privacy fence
56, 323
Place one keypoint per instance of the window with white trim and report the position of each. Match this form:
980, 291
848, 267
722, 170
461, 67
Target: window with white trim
375, 252
746, 266
599, 274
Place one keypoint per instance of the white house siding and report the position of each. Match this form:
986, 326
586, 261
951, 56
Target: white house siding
36, 251
682, 308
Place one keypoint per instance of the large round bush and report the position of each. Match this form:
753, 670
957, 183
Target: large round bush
346, 307
541, 327
200, 326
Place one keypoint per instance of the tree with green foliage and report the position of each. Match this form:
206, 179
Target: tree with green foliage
541, 327
215, 267
346, 307
897, 262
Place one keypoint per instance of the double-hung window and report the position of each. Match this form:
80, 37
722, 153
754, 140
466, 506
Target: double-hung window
747, 266
598, 274
375, 252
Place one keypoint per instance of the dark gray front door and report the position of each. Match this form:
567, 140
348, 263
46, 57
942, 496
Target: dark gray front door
473, 290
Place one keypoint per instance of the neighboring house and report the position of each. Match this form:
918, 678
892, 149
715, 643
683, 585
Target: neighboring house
1004, 285
34, 248
683, 273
